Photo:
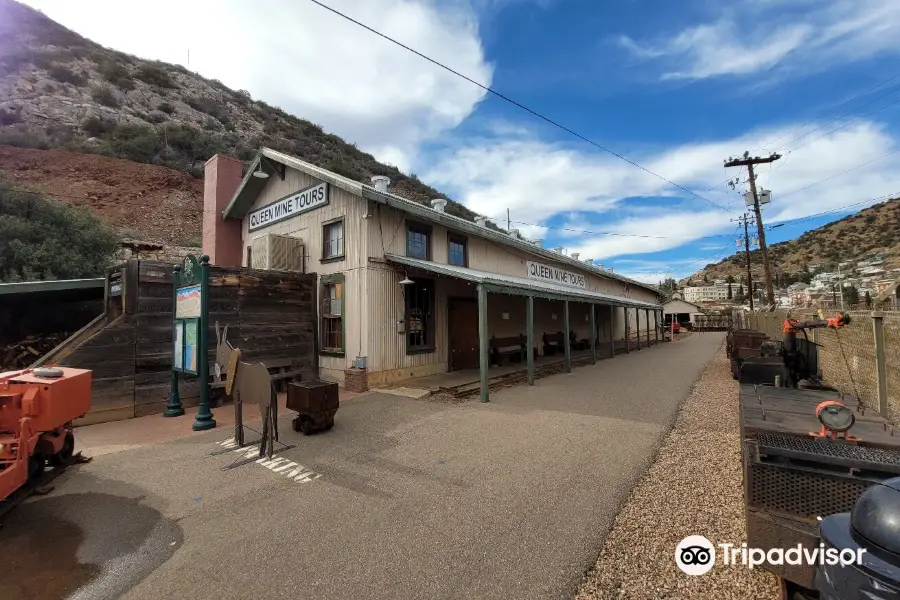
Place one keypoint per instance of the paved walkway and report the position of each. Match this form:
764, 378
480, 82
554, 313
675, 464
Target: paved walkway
402, 499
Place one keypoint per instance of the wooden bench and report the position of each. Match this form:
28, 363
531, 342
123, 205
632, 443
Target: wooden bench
577, 344
553, 343
507, 349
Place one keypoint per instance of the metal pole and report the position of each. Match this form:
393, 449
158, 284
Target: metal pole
612, 337
529, 327
173, 406
880, 362
625, 313
566, 340
647, 314
593, 336
637, 327
483, 358
204, 419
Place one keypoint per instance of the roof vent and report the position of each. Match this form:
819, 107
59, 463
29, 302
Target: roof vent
600, 265
575, 255
514, 233
558, 249
381, 183
589, 261
481, 221
438, 204
538, 243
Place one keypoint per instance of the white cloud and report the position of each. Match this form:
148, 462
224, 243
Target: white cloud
824, 35
539, 182
309, 61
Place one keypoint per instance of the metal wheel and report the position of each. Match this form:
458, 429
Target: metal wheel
307, 426
295, 424
64, 456
36, 464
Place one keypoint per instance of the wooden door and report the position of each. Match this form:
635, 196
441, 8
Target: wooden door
463, 324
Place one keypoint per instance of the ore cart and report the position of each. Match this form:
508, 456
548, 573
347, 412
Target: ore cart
791, 476
316, 403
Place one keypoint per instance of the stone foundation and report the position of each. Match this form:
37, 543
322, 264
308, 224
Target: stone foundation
356, 380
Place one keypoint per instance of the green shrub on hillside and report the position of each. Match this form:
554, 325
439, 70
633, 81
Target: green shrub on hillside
117, 74
50, 240
154, 75
64, 74
105, 96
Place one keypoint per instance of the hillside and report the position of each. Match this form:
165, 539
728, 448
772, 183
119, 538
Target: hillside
874, 229
61, 90
147, 202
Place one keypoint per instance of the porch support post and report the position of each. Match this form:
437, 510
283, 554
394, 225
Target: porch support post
483, 356
593, 336
637, 327
529, 328
627, 342
566, 342
647, 312
612, 337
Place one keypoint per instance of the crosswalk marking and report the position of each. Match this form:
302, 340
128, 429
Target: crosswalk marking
277, 464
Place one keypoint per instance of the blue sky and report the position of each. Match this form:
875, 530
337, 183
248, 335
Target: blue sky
674, 86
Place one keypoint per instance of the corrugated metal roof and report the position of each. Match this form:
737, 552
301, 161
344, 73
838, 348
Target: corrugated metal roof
521, 284
250, 187
28, 287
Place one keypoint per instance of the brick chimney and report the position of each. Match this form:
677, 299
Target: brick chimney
221, 238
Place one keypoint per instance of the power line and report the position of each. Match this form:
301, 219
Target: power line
845, 125
835, 210
515, 103
839, 174
616, 233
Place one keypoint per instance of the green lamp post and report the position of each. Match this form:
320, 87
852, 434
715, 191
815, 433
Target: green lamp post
173, 406
204, 419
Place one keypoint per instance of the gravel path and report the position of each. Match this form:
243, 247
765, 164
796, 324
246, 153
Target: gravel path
693, 488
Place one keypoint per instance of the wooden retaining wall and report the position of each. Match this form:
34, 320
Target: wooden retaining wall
270, 314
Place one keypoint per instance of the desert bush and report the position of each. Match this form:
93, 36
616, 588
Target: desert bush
105, 96
117, 75
95, 126
10, 115
166, 108
154, 75
64, 74
49, 239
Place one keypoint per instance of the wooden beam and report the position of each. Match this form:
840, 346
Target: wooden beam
483, 356
529, 327
593, 336
566, 342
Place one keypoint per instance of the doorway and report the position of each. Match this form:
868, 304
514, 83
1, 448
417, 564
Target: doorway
463, 325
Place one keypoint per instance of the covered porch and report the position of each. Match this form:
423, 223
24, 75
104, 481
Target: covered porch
519, 325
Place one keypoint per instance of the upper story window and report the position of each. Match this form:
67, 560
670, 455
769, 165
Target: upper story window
457, 251
333, 239
418, 241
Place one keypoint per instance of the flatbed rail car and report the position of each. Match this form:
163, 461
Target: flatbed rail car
792, 476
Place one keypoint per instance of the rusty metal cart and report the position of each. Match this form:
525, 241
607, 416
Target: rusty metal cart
316, 403
793, 474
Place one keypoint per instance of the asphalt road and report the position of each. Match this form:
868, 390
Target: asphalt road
402, 499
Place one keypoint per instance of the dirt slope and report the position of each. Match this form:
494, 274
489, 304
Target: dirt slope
144, 201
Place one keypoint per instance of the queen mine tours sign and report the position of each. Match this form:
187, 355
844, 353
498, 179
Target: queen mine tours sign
554, 275
289, 206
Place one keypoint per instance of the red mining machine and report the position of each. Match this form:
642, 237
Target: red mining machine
37, 408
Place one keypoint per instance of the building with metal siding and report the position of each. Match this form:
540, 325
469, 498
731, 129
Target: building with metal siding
423, 327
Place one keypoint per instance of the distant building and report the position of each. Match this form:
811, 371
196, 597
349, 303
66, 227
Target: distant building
707, 293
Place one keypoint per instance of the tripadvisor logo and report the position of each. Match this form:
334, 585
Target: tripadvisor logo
696, 555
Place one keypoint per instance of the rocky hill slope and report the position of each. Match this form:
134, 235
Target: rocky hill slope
873, 230
61, 90
146, 202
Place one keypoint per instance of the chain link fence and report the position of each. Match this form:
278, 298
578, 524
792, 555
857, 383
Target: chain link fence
846, 356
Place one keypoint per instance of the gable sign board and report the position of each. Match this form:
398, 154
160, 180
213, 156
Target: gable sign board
289, 206
556, 275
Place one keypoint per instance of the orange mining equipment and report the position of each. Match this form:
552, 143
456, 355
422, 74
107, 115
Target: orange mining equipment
37, 407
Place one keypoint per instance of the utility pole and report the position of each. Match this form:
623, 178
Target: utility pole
744, 220
749, 162
507, 220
